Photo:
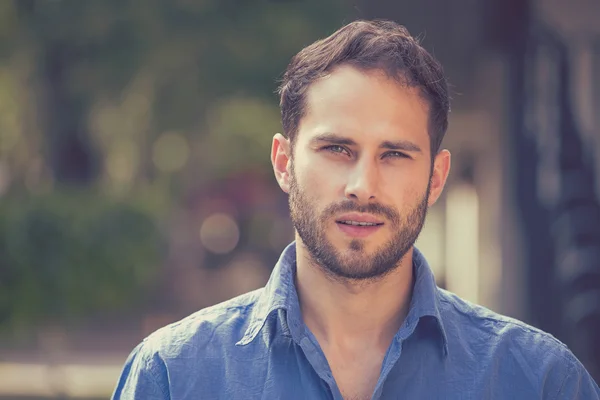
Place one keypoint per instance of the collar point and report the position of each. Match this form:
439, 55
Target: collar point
445, 352
248, 336
247, 339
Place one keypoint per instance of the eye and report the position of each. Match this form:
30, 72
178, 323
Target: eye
335, 148
396, 154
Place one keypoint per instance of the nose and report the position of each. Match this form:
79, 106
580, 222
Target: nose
362, 182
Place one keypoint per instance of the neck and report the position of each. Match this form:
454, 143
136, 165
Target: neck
347, 313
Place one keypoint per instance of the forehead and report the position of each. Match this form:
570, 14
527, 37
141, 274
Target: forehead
365, 106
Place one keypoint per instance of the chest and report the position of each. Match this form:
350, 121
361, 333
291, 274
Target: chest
287, 370
355, 374
290, 375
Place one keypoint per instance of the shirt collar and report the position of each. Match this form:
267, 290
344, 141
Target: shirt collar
425, 298
280, 294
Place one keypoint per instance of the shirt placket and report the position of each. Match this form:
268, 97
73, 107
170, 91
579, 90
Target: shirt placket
315, 356
318, 361
392, 356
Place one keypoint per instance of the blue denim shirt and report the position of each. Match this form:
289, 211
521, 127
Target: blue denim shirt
256, 346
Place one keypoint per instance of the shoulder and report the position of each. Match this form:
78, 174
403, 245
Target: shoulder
506, 347
169, 354
205, 331
476, 325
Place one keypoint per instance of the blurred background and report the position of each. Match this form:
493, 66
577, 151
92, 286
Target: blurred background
136, 186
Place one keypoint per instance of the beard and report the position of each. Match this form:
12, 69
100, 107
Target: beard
354, 263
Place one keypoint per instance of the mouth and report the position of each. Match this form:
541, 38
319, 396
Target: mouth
359, 223
358, 226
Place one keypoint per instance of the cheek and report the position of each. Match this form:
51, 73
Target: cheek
406, 188
319, 180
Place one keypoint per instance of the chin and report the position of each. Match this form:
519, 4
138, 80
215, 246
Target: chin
360, 246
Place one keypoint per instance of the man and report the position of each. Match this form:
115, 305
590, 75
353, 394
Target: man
351, 310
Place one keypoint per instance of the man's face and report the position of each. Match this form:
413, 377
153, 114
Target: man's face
360, 172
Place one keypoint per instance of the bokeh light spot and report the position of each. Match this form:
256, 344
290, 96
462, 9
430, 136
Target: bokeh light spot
171, 152
219, 233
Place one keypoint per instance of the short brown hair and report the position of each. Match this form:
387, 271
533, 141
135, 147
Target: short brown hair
367, 45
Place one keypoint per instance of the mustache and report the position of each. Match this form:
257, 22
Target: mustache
371, 208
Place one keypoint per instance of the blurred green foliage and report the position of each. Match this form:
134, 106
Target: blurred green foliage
104, 102
70, 253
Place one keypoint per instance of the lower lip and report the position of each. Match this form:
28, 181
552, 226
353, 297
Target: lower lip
357, 230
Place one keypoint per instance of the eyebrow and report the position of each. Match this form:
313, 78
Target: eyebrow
334, 138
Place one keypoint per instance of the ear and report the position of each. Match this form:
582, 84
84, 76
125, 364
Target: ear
439, 175
280, 158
